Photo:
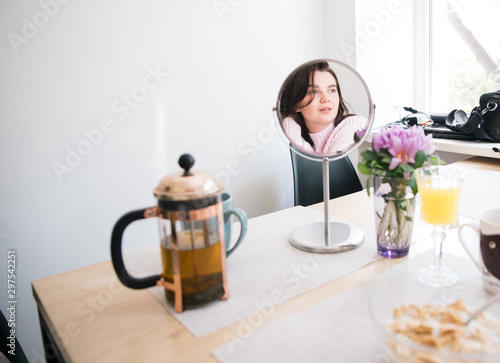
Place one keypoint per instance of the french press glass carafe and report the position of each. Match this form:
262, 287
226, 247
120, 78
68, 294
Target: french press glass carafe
192, 247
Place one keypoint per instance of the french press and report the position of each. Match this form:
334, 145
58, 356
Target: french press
192, 247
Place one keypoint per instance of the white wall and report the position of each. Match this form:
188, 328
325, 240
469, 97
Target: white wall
340, 22
385, 54
68, 68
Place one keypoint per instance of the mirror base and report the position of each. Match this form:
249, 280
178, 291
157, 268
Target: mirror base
311, 238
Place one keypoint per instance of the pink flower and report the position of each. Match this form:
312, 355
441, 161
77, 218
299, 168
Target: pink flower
360, 132
403, 144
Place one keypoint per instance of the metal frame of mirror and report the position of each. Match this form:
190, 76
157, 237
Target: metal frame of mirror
354, 100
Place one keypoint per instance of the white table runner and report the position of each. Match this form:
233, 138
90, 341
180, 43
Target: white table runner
265, 270
338, 329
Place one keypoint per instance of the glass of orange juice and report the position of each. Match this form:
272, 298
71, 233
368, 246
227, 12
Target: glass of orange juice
439, 187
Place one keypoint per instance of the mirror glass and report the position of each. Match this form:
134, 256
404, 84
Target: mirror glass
325, 109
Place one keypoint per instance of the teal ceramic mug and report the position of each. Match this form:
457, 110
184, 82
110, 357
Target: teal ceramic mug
229, 211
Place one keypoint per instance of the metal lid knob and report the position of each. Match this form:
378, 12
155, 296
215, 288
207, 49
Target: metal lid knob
187, 185
186, 162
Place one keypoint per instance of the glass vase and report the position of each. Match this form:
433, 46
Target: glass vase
394, 204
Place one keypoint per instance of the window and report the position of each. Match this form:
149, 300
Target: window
433, 55
465, 52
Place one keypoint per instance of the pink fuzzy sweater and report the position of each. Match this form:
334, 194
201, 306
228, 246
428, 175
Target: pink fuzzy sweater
331, 140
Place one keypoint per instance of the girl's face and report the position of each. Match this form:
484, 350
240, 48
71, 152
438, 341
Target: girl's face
323, 108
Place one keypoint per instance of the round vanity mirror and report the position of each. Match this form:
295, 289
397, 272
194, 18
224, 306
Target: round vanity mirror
325, 111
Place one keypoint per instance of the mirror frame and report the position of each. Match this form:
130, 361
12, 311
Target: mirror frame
321, 156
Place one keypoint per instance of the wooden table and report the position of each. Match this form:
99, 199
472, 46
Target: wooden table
86, 315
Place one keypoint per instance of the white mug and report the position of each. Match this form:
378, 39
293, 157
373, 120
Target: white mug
488, 262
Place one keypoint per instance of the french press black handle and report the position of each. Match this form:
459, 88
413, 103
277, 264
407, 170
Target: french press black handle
116, 252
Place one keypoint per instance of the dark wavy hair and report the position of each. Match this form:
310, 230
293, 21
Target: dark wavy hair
295, 90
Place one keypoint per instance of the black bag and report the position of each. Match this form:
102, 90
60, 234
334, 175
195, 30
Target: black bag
483, 122
490, 111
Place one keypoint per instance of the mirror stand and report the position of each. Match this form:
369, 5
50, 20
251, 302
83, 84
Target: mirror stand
324, 110
327, 237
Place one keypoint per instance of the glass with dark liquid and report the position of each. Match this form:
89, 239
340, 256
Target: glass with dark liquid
200, 262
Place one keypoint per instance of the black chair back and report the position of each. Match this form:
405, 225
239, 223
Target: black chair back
308, 179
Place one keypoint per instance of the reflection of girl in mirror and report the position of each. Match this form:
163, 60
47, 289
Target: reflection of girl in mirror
316, 117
